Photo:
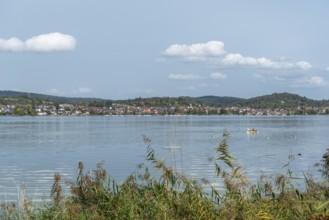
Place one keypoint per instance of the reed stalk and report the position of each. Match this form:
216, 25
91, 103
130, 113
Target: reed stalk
155, 191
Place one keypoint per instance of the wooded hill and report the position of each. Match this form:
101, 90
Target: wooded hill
13, 97
275, 100
282, 100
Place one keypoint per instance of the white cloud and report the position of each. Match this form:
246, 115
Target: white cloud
303, 65
266, 77
84, 90
292, 79
316, 81
327, 69
284, 77
213, 52
195, 87
311, 82
218, 76
238, 59
233, 59
196, 51
183, 77
13, 44
41, 43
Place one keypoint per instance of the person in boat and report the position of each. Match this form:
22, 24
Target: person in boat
253, 130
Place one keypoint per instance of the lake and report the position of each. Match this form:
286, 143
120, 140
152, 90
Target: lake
32, 149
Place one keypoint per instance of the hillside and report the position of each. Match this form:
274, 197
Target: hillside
183, 101
20, 97
219, 101
276, 100
281, 100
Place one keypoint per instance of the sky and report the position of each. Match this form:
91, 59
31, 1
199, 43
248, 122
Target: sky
129, 49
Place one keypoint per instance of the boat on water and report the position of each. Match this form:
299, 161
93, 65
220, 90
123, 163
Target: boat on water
252, 131
171, 147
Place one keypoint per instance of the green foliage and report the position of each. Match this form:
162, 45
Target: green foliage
219, 101
100, 103
274, 101
166, 195
176, 105
156, 191
20, 111
12, 97
282, 100
160, 102
31, 109
324, 165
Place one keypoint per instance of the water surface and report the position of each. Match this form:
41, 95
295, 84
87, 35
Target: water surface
32, 149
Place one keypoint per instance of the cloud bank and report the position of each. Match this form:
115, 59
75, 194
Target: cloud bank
311, 82
183, 77
304, 65
238, 59
42, 43
294, 74
218, 76
213, 52
195, 52
84, 90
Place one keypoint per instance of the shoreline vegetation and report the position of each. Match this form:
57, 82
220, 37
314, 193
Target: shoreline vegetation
20, 104
156, 191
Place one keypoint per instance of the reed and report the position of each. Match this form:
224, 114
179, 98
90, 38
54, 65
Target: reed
155, 191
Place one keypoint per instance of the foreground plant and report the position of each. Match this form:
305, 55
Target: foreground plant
156, 191
148, 193
274, 197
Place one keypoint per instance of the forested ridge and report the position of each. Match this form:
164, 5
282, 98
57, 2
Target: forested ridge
275, 100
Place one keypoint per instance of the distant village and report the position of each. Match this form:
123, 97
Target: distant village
52, 109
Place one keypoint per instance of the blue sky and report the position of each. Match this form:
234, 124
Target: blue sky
128, 49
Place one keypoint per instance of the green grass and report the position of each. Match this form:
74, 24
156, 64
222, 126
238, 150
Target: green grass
155, 191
